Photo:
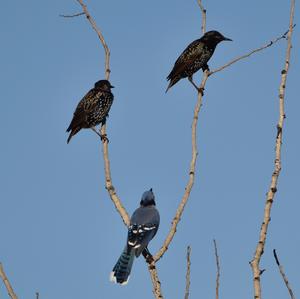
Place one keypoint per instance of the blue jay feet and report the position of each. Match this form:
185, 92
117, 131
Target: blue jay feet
148, 256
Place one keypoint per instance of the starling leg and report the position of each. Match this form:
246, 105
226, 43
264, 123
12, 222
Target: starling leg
198, 89
205, 67
147, 255
103, 137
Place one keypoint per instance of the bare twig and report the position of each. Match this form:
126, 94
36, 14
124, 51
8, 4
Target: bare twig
283, 275
191, 180
188, 273
277, 167
218, 269
203, 13
101, 37
72, 16
108, 180
155, 280
190, 183
7, 284
269, 44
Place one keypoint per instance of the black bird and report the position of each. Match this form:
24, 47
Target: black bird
92, 109
195, 57
143, 226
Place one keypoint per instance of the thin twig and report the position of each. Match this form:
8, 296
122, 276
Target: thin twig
188, 273
108, 180
283, 275
191, 180
269, 44
277, 167
72, 16
155, 280
7, 284
203, 13
101, 37
218, 269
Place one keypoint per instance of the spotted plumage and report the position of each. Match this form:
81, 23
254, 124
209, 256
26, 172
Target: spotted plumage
195, 56
92, 109
144, 224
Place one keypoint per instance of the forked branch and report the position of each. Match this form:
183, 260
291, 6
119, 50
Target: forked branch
277, 165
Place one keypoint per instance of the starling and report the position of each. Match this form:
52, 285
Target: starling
92, 109
195, 57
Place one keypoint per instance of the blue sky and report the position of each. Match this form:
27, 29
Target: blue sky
60, 234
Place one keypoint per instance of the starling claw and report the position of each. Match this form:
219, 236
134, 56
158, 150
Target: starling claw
104, 138
199, 89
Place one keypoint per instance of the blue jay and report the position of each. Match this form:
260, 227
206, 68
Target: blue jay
143, 226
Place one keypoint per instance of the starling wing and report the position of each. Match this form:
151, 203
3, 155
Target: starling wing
83, 111
194, 57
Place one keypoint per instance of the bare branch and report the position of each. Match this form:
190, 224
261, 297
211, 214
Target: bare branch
188, 273
108, 180
277, 167
7, 284
269, 44
218, 269
72, 16
283, 275
155, 280
203, 13
190, 183
101, 37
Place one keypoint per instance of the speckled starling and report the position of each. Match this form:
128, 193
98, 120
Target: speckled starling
92, 109
195, 57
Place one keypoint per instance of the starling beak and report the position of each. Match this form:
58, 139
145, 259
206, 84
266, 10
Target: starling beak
195, 57
92, 109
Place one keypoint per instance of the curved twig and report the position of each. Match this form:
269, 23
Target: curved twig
283, 275
7, 284
191, 180
108, 180
269, 44
277, 167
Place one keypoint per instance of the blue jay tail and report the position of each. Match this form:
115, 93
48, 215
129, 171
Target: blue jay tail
121, 271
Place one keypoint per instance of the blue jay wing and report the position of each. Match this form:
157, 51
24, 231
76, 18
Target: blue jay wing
144, 224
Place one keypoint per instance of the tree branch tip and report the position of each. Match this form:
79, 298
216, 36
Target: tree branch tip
276, 257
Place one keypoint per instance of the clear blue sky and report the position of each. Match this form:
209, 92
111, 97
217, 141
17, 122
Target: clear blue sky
60, 234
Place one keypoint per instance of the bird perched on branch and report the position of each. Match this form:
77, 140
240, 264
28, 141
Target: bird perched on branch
195, 57
92, 109
143, 226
